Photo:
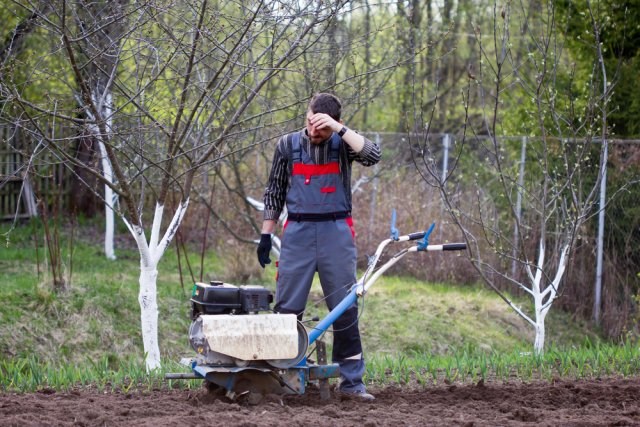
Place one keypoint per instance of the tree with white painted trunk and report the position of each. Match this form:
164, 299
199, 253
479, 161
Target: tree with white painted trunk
528, 215
182, 86
105, 106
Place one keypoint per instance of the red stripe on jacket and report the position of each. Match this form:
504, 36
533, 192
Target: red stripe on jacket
310, 170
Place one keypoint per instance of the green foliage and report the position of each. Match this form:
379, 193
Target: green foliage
38, 69
620, 40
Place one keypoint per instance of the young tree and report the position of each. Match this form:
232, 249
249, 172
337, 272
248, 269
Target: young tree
166, 95
530, 219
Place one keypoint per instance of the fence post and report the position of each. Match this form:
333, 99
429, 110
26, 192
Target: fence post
603, 192
445, 159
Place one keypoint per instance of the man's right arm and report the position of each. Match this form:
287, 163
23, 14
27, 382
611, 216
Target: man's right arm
276, 191
274, 197
368, 156
268, 226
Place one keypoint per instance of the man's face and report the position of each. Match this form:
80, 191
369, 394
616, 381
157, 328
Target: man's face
317, 135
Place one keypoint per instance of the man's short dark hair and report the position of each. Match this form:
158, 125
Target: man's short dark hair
326, 103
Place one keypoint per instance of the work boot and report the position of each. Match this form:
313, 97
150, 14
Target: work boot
357, 394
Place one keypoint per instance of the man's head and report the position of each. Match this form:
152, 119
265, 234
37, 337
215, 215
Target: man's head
323, 103
326, 103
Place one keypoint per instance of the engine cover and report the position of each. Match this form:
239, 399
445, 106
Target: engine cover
257, 337
224, 298
245, 337
227, 328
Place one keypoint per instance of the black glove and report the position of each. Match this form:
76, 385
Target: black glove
264, 248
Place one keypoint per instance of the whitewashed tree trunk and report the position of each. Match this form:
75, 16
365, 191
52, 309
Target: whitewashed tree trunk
109, 231
543, 298
150, 254
106, 109
109, 196
538, 344
148, 300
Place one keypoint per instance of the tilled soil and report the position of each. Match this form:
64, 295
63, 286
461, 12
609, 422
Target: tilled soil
578, 403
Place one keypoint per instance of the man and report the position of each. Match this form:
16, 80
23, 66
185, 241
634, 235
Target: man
311, 173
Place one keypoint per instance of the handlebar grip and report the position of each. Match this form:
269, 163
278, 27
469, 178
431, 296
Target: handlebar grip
416, 236
454, 247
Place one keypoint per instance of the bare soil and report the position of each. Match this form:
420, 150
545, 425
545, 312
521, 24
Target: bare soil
613, 402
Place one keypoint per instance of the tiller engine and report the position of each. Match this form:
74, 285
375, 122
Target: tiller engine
243, 347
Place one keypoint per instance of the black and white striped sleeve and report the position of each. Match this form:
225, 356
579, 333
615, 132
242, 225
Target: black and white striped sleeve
369, 156
276, 191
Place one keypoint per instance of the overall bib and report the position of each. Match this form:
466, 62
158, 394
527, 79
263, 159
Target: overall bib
319, 236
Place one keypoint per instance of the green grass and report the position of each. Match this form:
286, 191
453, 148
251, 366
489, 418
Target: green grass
31, 374
471, 364
98, 315
461, 366
404, 315
411, 330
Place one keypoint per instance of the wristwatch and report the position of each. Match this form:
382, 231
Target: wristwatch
343, 131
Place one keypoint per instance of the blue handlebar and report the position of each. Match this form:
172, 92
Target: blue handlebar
395, 234
425, 241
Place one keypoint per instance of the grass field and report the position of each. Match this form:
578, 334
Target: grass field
412, 331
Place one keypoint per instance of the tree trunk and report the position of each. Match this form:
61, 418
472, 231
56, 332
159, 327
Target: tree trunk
106, 110
108, 206
150, 254
538, 344
83, 190
148, 300
109, 196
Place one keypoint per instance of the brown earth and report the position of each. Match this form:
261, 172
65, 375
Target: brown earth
614, 402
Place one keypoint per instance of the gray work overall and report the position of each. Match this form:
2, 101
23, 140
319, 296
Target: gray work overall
319, 236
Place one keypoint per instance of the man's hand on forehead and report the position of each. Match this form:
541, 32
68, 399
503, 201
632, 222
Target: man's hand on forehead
324, 121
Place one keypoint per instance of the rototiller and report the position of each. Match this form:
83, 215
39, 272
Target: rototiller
244, 347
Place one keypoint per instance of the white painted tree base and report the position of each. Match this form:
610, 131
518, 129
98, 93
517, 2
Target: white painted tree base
150, 254
148, 300
543, 298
